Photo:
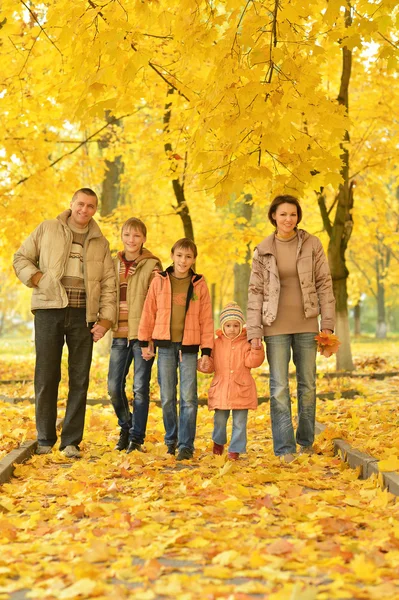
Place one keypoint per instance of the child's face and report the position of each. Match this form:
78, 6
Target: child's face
132, 240
183, 260
231, 329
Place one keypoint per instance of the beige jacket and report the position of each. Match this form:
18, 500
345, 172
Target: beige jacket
264, 285
137, 288
47, 250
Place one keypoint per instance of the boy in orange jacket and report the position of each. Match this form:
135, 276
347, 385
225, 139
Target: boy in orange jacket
177, 318
233, 387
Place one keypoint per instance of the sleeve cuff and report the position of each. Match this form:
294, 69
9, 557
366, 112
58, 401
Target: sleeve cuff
206, 351
105, 323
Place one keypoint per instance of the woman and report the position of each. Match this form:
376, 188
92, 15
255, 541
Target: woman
290, 286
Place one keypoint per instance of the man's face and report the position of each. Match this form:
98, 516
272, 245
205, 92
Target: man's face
83, 208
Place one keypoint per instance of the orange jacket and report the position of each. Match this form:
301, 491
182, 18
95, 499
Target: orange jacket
157, 312
233, 386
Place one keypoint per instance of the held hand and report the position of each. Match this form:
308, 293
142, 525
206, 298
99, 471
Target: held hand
148, 352
256, 343
204, 363
98, 332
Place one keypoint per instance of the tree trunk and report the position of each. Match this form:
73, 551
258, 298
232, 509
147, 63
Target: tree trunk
113, 170
242, 271
340, 229
381, 331
356, 316
178, 185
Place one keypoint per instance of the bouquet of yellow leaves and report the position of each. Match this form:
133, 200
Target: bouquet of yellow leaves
327, 343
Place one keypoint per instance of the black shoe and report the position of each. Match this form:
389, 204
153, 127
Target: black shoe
184, 454
123, 440
171, 449
133, 446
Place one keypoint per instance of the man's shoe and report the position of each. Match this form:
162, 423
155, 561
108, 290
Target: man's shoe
43, 449
171, 449
123, 441
134, 446
287, 458
184, 454
233, 455
72, 451
306, 450
218, 448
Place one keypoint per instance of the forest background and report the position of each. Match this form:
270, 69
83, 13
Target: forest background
192, 115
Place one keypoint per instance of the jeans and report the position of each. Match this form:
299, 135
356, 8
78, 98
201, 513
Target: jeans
278, 352
170, 362
52, 327
238, 442
122, 355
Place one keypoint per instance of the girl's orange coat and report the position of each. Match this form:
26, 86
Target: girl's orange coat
233, 386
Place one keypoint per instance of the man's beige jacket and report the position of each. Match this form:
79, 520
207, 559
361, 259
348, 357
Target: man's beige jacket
47, 250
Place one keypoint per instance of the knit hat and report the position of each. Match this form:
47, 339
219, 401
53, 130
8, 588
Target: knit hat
231, 312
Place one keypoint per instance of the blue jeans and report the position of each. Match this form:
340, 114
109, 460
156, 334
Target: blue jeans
54, 326
122, 355
238, 442
171, 362
278, 352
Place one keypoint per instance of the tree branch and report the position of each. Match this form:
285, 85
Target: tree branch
324, 214
36, 21
112, 121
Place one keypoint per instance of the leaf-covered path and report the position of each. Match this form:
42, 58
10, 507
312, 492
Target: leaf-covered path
144, 526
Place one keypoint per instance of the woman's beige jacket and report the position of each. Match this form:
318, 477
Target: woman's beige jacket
264, 285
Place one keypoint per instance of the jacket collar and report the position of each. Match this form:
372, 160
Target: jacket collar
195, 277
94, 230
268, 245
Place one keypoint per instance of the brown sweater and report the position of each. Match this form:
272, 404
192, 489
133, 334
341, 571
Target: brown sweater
290, 314
179, 299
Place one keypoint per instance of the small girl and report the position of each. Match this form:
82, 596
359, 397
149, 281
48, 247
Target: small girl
233, 387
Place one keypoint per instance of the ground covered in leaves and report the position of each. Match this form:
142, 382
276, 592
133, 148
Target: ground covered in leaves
143, 526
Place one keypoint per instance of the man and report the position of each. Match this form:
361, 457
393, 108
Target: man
68, 264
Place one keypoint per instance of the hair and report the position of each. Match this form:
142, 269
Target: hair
87, 191
134, 223
282, 200
186, 244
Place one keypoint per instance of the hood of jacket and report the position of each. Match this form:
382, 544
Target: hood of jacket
145, 255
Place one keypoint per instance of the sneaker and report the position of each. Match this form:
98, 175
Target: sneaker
287, 458
184, 454
133, 446
218, 448
233, 455
72, 451
43, 449
306, 450
171, 449
123, 441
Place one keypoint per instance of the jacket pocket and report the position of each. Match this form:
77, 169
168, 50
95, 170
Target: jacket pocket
48, 288
265, 310
244, 387
313, 309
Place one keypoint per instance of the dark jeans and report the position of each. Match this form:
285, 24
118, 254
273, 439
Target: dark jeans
52, 327
122, 355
